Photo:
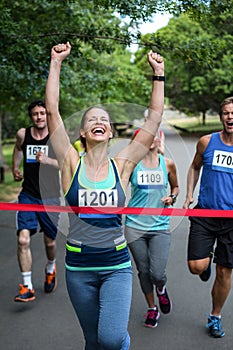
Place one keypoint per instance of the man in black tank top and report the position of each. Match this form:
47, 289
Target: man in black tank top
40, 186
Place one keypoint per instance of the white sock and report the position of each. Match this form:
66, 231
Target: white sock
27, 279
219, 316
163, 290
152, 308
50, 266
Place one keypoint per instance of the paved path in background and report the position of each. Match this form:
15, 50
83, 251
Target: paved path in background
49, 322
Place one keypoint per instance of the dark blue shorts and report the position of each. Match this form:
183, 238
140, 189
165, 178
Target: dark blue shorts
29, 219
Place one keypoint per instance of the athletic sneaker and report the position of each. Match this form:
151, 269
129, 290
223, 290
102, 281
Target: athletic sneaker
164, 302
151, 317
205, 275
25, 294
50, 283
215, 327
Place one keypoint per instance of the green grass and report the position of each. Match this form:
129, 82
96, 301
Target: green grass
7, 150
9, 189
194, 125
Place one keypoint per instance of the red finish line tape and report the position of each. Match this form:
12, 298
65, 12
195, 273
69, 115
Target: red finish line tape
118, 210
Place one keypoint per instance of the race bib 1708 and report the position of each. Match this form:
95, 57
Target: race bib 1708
150, 179
223, 161
32, 150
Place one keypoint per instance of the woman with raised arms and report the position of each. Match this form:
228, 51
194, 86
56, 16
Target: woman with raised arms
98, 266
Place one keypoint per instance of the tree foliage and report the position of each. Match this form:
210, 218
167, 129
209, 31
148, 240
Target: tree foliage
28, 31
99, 69
198, 58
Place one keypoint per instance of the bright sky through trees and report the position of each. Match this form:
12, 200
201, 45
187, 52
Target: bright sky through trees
158, 21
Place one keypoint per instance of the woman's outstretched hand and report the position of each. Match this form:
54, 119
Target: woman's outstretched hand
156, 62
60, 51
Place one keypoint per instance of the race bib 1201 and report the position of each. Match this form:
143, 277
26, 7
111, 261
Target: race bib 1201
223, 161
97, 198
32, 150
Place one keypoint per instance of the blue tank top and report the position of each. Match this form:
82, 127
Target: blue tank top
148, 186
216, 185
96, 241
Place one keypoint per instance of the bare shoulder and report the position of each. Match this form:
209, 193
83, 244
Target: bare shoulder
68, 165
203, 143
169, 161
170, 164
71, 159
20, 136
205, 138
21, 133
125, 169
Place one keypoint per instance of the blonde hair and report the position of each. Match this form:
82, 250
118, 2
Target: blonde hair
226, 101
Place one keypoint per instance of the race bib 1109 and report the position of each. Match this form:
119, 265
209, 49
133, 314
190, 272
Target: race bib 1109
150, 179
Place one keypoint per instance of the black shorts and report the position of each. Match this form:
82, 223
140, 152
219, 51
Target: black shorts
205, 233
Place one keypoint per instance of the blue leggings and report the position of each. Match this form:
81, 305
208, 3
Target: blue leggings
102, 300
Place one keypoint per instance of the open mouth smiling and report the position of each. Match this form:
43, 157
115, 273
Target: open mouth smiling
98, 131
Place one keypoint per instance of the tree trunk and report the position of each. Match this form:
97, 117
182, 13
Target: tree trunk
2, 159
203, 117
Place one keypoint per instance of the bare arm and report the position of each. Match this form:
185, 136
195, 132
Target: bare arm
173, 181
18, 155
65, 153
43, 159
194, 170
58, 136
137, 149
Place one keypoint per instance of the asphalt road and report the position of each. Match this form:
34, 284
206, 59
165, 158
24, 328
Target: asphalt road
49, 322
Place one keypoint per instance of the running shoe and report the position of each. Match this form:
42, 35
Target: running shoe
50, 283
205, 275
151, 317
25, 294
165, 303
215, 327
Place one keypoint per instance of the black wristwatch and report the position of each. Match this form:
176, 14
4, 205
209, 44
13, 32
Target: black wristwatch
173, 196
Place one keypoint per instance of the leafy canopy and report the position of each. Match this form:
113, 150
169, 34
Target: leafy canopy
93, 73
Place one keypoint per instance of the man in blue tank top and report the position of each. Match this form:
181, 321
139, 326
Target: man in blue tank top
214, 155
40, 186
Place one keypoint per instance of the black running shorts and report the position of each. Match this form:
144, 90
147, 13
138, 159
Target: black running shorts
211, 235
